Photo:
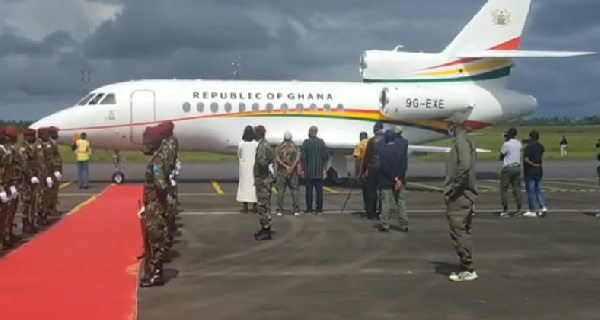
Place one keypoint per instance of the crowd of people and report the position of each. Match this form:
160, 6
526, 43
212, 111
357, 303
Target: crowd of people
30, 174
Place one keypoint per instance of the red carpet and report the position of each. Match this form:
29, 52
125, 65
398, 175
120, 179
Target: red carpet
82, 268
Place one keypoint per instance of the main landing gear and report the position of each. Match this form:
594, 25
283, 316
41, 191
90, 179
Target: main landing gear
118, 177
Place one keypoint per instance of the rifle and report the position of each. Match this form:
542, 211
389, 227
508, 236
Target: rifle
146, 253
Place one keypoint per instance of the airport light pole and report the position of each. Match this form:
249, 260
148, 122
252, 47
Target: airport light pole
236, 72
86, 75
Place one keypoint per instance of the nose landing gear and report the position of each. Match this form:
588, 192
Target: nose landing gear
118, 177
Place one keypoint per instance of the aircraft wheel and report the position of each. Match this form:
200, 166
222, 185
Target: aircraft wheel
333, 177
118, 177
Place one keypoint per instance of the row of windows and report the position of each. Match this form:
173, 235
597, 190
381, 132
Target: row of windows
255, 107
98, 98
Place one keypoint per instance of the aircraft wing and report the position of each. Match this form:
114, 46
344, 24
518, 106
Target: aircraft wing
523, 54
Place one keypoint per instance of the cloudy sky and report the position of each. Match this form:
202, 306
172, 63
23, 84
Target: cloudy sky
44, 44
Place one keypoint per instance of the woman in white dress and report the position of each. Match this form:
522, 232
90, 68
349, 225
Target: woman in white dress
246, 192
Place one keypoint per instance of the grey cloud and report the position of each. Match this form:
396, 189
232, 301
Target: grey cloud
304, 40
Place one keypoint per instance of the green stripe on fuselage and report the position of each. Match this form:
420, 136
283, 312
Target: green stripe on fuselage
490, 75
358, 118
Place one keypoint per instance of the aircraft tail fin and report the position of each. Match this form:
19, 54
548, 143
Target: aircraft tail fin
497, 26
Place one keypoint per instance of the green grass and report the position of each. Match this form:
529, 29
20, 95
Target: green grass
582, 141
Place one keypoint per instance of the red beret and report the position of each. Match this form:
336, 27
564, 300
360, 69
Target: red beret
29, 132
260, 129
53, 129
11, 132
42, 130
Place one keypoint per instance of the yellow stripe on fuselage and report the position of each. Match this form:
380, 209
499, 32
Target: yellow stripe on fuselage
485, 65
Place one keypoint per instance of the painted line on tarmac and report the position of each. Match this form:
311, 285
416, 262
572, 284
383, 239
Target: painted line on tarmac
441, 210
424, 186
328, 189
64, 185
217, 187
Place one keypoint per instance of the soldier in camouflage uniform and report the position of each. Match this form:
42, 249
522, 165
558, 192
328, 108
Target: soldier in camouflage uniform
287, 156
167, 151
56, 163
263, 165
44, 155
174, 143
4, 185
30, 169
15, 178
155, 205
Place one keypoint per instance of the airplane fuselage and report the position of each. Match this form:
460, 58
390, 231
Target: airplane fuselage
210, 115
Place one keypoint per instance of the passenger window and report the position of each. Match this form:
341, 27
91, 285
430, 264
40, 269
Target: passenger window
200, 107
242, 107
269, 107
327, 108
228, 107
85, 100
299, 108
97, 98
109, 99
313, 108
214, 107
284, 108
255, 107
340, 108
186, 107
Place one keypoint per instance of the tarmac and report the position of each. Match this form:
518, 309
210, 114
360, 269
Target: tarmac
338, 266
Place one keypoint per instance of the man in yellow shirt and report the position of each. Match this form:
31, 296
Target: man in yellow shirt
82, 152
359, 153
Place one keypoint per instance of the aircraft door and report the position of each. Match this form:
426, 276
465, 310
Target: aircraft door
142, 113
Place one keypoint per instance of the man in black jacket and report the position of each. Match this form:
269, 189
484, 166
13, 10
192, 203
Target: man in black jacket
370, 170
391, 179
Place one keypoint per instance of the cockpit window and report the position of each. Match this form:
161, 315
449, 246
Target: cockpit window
109, 99
85, 100
97, 98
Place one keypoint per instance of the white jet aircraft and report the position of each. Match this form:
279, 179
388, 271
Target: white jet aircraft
422, 92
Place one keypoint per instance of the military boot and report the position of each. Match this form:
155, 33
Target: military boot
156, 279
263, 234
28, 227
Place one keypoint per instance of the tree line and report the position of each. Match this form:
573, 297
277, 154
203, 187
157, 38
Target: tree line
535, 121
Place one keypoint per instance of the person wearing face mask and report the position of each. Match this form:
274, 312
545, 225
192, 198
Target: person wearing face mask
29, 186
14, 178
154, 210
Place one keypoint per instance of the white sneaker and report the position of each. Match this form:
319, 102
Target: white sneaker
530, 214
543, 212
279, 213
504, 214
297, 213
463, 276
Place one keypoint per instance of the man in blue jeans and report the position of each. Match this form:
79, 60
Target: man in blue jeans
533, 172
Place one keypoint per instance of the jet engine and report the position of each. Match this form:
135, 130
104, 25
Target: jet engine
389, 64
411, 102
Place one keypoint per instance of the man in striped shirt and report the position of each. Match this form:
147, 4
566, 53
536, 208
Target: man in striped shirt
314, 157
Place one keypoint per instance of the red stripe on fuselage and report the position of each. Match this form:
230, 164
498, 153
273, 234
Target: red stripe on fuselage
512, 44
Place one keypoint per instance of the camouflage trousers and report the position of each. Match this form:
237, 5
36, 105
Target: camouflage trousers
52, 205
7, 215
284, 183
27, 203
263, 197
43, 199
459, 212
154, 228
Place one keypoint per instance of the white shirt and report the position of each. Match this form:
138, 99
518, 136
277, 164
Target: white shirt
511, 150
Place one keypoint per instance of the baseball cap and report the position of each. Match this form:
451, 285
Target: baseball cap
397, 129
287, 135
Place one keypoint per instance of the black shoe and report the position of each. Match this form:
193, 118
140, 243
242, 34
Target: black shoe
263, 234
155, 280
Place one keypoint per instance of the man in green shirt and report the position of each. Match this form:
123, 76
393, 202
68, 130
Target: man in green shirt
314, 157
460, 194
